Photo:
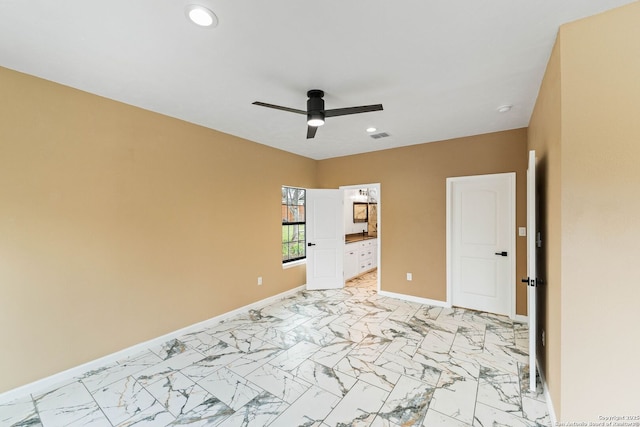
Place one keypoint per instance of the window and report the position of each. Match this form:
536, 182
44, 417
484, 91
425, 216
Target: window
293, 224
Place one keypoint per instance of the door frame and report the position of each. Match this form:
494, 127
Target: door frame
377, 187
511, 294
532, 268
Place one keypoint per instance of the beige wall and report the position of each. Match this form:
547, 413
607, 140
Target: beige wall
118, 225
593, 209
600, 213
413, 202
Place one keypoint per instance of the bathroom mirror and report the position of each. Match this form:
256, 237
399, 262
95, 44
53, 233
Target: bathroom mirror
360, 212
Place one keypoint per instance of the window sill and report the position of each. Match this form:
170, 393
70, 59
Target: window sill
294, 264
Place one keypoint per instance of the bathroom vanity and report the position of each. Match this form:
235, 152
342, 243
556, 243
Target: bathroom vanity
360, 255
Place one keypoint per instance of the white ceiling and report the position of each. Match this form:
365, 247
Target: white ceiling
439, 67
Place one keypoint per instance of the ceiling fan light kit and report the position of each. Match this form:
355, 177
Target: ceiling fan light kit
316, 112
315, 119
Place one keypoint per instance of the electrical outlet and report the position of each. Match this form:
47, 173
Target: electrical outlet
259, 280
544, 344
409, 276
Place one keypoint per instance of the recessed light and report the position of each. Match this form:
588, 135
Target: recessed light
201, 16
370, 130
504, 108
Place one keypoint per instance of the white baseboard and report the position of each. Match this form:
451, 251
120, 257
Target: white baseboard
520, 318
547, 397
419, 300
69, 375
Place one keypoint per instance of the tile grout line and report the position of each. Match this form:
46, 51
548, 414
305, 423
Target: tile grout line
96, 402
36, 409
475, 403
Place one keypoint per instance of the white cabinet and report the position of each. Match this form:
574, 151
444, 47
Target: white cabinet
360, 257
365, 256
351, 251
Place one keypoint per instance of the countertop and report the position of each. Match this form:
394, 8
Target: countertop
357, 237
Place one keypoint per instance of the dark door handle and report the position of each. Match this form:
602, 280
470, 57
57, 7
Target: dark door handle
530, 282
311, 244
503, 253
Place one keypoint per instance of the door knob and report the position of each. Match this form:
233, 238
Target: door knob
311, 244
503, 253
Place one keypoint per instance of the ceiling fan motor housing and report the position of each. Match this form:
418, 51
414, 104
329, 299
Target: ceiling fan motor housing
315, 103
315, 106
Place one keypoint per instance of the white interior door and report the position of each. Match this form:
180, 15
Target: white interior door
482, 242
325, 239
531, 266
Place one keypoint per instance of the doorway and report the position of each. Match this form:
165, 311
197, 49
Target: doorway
368, 197
326, 236
481, 242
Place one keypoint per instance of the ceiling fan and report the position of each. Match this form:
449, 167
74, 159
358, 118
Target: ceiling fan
316, 113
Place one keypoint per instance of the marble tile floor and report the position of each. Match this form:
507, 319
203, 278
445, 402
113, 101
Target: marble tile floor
346, 357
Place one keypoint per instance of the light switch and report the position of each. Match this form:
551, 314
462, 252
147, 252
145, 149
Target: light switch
522, 231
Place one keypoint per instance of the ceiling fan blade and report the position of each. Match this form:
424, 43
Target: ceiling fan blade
352, 110
278, 107
311, 131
